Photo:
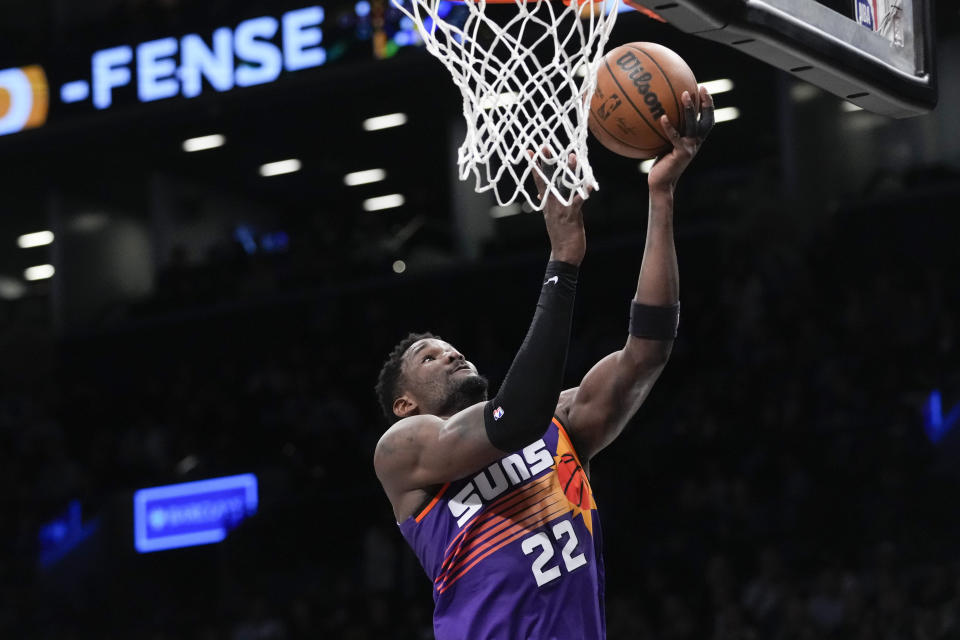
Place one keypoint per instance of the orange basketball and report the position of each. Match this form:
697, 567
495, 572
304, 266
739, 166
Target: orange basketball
636, 84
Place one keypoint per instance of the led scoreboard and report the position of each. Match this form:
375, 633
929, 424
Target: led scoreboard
192, 513
255, 51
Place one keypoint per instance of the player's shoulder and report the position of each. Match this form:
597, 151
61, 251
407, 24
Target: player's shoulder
399, 445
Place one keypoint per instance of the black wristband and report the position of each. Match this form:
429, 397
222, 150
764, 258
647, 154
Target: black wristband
654, 323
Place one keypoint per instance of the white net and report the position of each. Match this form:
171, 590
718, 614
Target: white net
527, 71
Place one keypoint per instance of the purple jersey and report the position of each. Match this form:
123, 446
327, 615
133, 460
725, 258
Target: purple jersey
515, 551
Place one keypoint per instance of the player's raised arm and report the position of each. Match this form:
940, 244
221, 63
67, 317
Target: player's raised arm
443, 432
596, 412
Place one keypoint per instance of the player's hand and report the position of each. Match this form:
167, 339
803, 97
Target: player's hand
568, 240
667, 169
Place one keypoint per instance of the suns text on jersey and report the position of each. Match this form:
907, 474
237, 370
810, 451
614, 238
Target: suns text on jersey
509, 471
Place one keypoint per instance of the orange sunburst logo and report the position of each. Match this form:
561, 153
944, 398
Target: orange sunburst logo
571, 481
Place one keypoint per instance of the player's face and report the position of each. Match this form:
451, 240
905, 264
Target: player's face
440, 378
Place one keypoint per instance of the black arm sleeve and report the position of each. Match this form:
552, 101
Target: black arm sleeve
527, 399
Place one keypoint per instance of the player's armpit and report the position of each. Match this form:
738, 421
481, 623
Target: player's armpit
609, 395
424, 450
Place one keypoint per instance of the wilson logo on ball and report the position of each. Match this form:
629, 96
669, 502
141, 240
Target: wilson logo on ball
637, 84
640, 77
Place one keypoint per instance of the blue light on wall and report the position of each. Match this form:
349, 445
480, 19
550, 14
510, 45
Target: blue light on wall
192, 513
270, 242
275, 241
935, 424
245, 236
63, 534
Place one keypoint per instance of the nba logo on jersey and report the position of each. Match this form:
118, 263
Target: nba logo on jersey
866, 13
498, 413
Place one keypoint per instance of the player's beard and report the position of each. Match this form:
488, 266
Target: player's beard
465, 392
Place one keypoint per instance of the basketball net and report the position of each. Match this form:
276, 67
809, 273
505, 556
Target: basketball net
526, 81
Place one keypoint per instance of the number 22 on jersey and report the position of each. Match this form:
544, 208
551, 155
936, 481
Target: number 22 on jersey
564, 533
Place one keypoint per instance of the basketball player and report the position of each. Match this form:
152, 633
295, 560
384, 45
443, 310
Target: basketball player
494, 495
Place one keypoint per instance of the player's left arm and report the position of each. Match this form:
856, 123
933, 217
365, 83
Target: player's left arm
612, 391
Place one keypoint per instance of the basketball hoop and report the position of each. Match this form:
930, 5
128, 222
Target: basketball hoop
526, 78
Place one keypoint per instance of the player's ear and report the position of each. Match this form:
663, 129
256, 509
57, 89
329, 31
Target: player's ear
405, 406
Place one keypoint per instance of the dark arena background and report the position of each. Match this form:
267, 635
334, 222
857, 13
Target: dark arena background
192, 288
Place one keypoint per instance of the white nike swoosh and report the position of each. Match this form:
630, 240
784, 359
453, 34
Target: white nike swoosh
553, 279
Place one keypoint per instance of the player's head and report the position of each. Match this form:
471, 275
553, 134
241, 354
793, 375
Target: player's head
426, 375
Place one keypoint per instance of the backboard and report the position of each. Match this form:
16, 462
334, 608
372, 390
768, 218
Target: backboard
878, 54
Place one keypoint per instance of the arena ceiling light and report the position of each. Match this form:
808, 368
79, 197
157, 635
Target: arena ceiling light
203, 143
280, 167
385, 122
718, 86
364, 177
726, 114
383, 202
38, 239
39, 272
646, 165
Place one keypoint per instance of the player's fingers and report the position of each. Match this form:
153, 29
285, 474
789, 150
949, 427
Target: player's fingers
706, 114
706, 100
546, 167
672, 134
578, 199
539, 174
689, 115
560, 173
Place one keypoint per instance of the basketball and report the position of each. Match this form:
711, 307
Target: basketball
636, 84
